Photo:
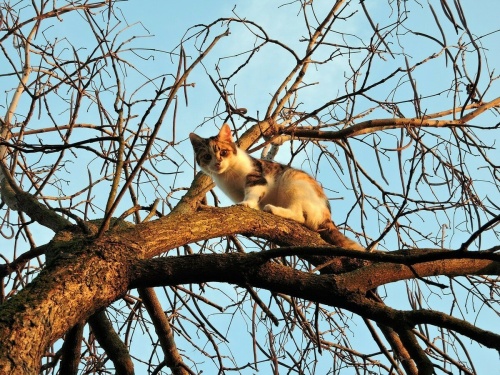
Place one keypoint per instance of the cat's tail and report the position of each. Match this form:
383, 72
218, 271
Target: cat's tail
329, 232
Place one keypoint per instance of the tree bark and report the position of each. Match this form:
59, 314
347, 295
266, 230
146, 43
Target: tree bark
111, 343
81, 279
84, 275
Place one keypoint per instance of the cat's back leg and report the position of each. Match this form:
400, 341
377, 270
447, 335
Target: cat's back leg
292, 212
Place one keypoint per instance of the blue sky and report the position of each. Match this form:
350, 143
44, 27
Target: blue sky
168, 22
162, 24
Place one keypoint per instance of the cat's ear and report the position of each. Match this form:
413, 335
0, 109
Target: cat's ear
196, 140
225, 133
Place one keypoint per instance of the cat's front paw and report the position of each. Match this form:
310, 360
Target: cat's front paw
250, 204
269, 208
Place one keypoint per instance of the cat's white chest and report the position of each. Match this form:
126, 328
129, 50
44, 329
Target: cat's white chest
233, 185
233, 182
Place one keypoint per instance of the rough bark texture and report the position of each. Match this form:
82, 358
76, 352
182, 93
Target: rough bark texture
110, 341
81, 279
84, 275
163, 330
71, 350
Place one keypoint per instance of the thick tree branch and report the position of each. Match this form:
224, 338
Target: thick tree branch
98, 272
409, 341
378, 274
165, 334
114, 347
113, 255
385, 268
251, 269
174, 230
71, 349
80, 279
19, 200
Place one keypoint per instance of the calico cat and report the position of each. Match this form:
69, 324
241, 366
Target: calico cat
267, 185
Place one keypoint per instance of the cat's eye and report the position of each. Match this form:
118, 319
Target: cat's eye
224, 153
207, 157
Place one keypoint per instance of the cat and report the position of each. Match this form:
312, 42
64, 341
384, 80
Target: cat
269, 186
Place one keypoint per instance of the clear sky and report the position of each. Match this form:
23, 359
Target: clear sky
168, 21
162, 25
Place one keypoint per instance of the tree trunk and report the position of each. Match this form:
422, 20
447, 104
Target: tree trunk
84, 275
77, 282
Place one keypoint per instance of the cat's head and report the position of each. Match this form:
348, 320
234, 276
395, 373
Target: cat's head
215, 155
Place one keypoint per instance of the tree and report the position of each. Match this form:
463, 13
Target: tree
117, 255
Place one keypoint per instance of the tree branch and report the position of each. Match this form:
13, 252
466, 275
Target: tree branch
424, 364
376, 125
159, 236
71, 349
19, 200
114, 347
251, 269
162, 327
